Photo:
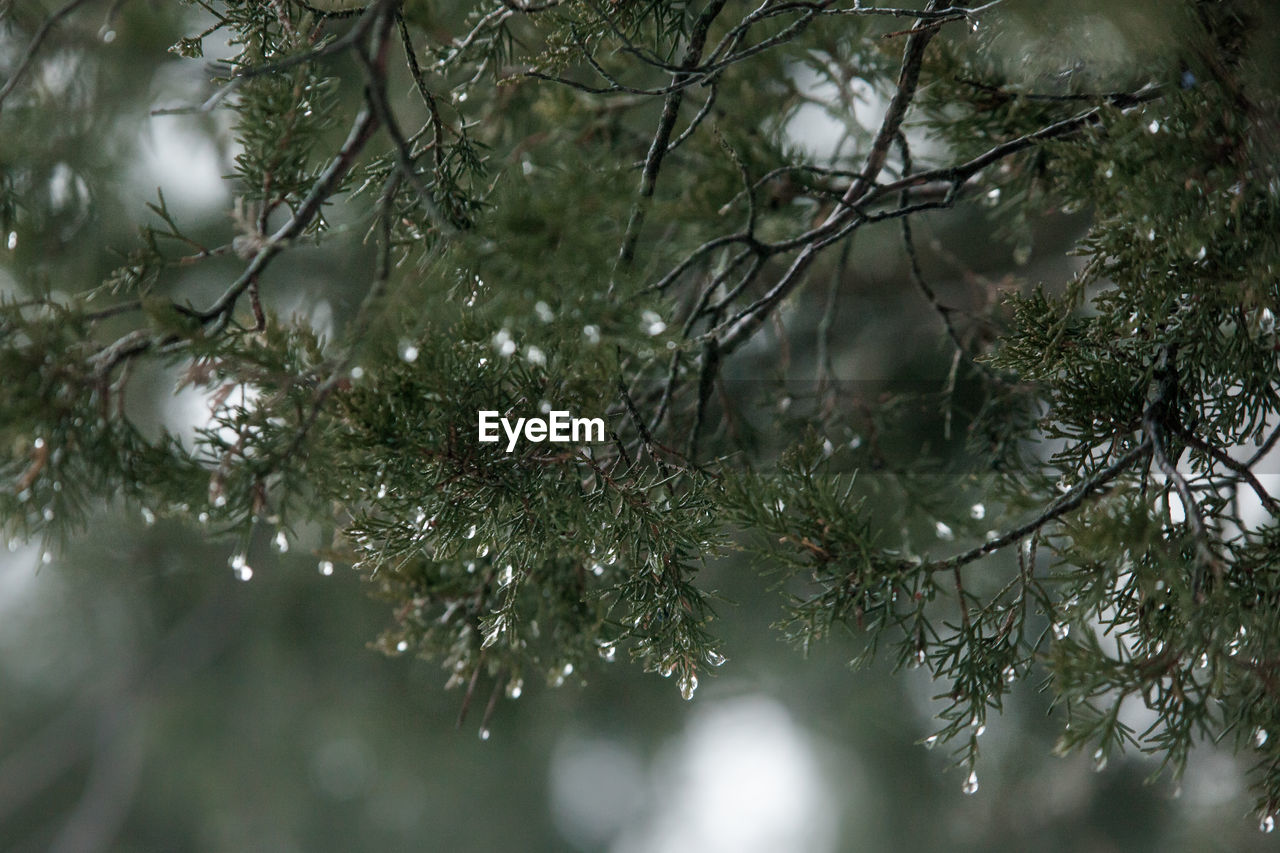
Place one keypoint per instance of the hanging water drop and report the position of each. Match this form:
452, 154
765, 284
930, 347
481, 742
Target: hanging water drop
507, 576
1010, 674
148, 517
688, 684
931, 741
1099, 760
1267, 825
920, 657
715, 658
597, 569
1061, 630
493, 635
409, 353
282, 542
484, 733
944, 531
1259, 737
1204, 660
240, 566
471, 533
482, 551
971, 783
515, 687
326, 568
13, 240
977, 512
608, 652
402, 646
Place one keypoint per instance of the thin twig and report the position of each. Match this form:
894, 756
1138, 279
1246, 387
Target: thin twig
37, 40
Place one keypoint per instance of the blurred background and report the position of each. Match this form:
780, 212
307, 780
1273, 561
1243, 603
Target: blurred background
151, 701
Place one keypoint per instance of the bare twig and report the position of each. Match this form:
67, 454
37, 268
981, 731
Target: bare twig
37, 40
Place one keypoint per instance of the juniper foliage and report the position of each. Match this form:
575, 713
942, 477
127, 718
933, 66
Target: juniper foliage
598, 206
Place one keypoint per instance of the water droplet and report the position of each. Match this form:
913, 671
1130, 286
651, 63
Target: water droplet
13, 240
977, 512
971, 783
973, 26
482, 550
148, 517
567, 670
591, 333
484, 733
239, 565
1061, 630
409, 353
1259, 737
48, 513
597, 569
931, 741
827, 447
507, 575
1010, 674
492, 636
402, 646
107, 35
1099, 760
608, 652
944, 531
688, 684
544, 312
515, 687
653, 323
980, 730
715, 658
1154, 127
326, 567
535, 356
1267, 825
282, 542
357, 373
920, 657
471, 533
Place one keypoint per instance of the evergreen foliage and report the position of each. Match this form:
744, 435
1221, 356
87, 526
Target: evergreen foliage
596, 207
